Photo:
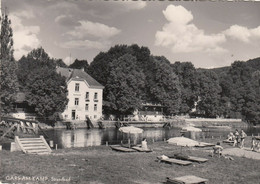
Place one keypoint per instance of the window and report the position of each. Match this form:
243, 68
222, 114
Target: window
96, 97
87, 96
95, 116
77, 87
95, 107
76, 101
86, 107
86, 117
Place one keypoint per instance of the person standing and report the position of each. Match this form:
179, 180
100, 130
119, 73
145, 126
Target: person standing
243, 136
236, 134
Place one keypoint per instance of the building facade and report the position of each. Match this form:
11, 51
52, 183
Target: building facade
85, 95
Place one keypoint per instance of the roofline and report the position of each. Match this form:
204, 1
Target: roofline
90, 86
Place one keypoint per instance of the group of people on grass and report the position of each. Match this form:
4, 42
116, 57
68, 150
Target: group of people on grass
240, 138
237, 138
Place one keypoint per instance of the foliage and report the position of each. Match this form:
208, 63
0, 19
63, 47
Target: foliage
45, 90
79, 64
99, 67
209, 94
241, 89
125, 85
163, 85
60, 63
189, 84
9, 83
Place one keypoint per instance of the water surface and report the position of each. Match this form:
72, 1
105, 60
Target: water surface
95, 137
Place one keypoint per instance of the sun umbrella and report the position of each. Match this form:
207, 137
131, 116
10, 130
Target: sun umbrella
131, 130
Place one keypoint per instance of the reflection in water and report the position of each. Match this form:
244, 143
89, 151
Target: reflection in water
95, 137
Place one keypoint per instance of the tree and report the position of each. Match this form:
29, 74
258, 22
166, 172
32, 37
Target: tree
45, 90
209, 95
8, 77
60, 63
99, 67
163, 85
125, 85
188, 77
79, 64
241, 90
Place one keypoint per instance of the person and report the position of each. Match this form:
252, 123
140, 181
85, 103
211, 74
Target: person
217, 149
144, 144
243, 136
231, 137
253, 144
236, 134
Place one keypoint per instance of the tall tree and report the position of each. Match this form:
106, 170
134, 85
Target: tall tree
241, 90
189, 84
99, 67
45, 90
8, 77
125, 85
209, 95
163, 85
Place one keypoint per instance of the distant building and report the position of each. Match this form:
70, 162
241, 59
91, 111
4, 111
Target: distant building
85, 95
22, 109
149, 112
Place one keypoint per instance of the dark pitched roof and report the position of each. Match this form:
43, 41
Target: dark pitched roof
79, 75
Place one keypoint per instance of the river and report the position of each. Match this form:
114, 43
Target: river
95, 137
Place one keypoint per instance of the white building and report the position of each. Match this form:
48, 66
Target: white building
85, 95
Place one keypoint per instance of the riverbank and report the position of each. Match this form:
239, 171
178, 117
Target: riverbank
102, 165
177, 123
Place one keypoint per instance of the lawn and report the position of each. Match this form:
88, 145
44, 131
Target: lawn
102, 165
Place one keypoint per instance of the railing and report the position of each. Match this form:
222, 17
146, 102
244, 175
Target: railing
12, 126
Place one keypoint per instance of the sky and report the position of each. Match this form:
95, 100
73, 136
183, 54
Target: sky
208, 34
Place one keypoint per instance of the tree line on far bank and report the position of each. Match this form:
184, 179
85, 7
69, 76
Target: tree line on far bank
132, 76
132, 72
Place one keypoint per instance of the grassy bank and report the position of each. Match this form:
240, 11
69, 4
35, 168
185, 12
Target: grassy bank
102, 165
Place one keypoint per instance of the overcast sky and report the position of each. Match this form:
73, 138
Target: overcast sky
209, 34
